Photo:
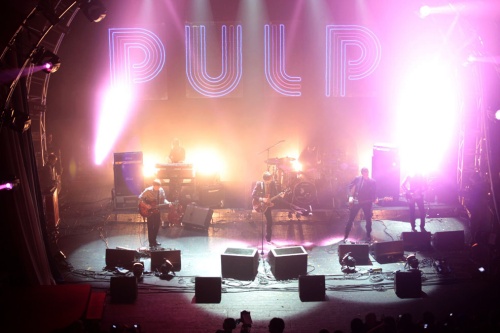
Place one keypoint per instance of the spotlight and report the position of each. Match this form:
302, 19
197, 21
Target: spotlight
138, 269
412, 261
47, 10
48, 61
165, 270
348, 263
93, 10
9, 184
18, 121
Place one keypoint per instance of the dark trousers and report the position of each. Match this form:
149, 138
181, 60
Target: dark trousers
353, 211
421, 209
153, 222
269, 224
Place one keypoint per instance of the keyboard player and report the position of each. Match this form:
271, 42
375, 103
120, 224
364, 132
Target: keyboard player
177, 152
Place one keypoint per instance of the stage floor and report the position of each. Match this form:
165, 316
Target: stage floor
89, 226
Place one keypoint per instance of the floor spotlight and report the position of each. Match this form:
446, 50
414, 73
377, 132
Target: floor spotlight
48, 61
165, 269
138, 269
348, 263
412, 261
93, 10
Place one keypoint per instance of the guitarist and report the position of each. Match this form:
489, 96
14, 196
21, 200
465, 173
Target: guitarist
149, 199
414, 188
262, 194
362, 195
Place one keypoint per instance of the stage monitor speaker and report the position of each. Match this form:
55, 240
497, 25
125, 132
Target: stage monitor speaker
312, 288
128, 179
414, 241
288, 262
385, 252
120, 258
240, 264
159, 257
386, 171
197, 217
358, 251
449, 240
408, 284
123, 289
207, 289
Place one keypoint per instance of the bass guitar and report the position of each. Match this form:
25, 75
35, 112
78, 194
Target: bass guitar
261, 207
147, 210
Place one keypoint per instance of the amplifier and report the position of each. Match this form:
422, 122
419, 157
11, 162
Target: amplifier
128, 157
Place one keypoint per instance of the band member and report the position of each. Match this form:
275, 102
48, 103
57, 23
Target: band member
49, 176
414, 188
309, 159
177, 152
263, 194
362, 190
149, 200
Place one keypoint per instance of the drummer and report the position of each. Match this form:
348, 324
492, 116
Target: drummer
310, 160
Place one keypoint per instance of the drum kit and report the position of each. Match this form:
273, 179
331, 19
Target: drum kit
301, 183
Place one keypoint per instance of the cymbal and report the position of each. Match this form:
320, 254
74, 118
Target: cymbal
287, 159
274, 161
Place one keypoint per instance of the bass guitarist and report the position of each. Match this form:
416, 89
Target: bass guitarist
414, 188
362, 195
150, 201
263, 195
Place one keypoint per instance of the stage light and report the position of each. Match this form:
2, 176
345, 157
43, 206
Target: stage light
93, 10
424, 11
138, 269
9, 184
46, 8
48, 61
412, 261
18, 121
165, 270
348, 263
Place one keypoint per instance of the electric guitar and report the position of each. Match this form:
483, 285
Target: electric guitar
414, 195
147, 210
261, 207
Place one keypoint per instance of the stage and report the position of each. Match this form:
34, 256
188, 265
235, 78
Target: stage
450, 276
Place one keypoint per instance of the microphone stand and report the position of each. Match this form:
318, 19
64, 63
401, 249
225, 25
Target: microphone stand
262, 233
268, 149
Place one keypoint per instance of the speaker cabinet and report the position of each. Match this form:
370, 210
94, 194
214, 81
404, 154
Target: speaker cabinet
358, 251
449, 240
240, 264
312, 288
123, 289
211, 196
288, 262
386, 171
197, 217
128, 178
207, 289
385, 252
413, 241
120, 258
159, 257
408, 284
